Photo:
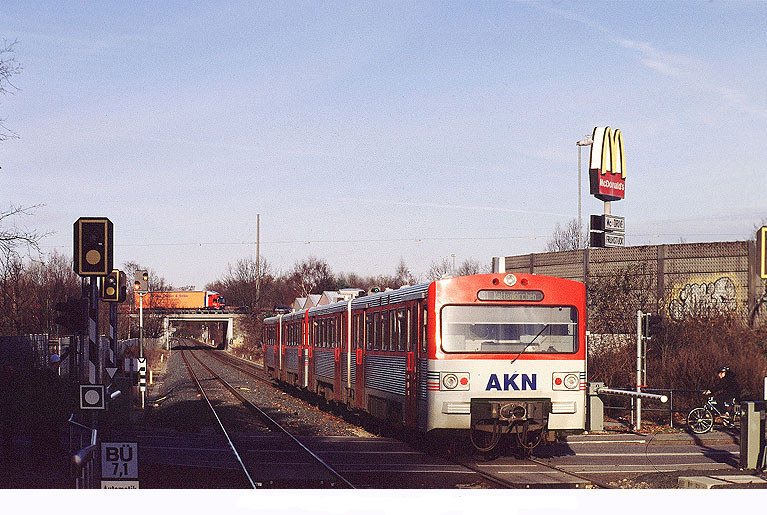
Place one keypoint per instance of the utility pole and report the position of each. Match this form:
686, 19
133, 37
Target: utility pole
258, 254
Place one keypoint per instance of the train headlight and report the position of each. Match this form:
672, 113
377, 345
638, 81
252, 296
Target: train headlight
566, 381
454, 381
571, 381
450, 381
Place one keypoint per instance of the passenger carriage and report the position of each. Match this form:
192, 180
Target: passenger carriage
492, 354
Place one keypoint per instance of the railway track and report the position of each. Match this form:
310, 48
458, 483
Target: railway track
314, 470
558, 478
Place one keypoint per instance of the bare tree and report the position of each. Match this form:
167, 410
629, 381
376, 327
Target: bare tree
567, 238
403, 275
311, 275
439, 269
13, 237
470, 267
8, 68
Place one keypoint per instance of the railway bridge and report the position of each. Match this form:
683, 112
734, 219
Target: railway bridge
229, 318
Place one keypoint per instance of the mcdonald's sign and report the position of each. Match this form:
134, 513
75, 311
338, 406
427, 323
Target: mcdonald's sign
607, 168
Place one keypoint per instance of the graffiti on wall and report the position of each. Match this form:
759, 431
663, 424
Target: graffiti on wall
717, 296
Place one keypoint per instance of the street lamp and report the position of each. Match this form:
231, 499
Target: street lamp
585, 142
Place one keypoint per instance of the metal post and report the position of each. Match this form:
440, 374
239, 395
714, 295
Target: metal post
258, 252
639, 369
586, 141
112, 355
94, 362
579, 195
141, 338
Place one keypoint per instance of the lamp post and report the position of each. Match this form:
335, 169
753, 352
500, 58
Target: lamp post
585, 142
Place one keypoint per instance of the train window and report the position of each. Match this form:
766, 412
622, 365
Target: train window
359, 332
402, 329
393, 333
385, 332
424, 334
332, 341
343, 338
369, 331
355, 331
510, 329
376, 330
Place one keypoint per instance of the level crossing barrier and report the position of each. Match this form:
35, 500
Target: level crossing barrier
83, 449
679, 401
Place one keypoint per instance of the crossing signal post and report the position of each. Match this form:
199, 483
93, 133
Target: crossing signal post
648, 325
113, 291
93, 257
651, 325
141, 287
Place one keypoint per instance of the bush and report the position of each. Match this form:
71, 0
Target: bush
687, 355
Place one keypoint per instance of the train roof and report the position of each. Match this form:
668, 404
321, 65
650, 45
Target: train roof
403, 294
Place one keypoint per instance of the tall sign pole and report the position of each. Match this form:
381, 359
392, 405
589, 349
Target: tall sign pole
92, 253
92, 259
607, 182
141, 287
586, 141
761, 245
94, 362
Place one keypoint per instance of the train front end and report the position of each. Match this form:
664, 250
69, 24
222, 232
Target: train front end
506, 356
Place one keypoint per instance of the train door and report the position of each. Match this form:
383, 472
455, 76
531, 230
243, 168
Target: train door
410, 327
364, 343
339, 347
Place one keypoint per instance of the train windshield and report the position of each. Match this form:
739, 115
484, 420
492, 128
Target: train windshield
510, 329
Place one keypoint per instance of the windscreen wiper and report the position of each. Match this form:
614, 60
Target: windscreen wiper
529, 344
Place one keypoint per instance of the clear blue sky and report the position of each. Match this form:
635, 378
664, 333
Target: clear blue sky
378, 131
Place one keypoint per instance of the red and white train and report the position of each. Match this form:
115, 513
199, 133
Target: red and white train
491, 354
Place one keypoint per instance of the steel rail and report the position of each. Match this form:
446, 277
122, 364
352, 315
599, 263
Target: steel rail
221, 425
578, 476
511, 484
230, 362
485, 475
261, 413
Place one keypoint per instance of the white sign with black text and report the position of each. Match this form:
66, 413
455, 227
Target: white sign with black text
119, 460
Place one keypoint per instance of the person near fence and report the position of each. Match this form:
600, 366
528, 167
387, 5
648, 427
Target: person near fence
726, 391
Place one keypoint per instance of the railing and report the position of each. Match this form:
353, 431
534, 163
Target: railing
674, 399
83, 447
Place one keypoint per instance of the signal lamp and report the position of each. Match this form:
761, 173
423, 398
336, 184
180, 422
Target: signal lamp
93, 246
141, 280
113, 287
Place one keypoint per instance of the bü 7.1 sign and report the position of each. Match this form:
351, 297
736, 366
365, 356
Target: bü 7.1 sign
119, 460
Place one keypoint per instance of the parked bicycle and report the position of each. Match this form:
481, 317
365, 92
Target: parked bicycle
701, 419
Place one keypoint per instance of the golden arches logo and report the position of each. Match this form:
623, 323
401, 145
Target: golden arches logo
607, 168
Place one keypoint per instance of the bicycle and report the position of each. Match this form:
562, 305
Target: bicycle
701, 419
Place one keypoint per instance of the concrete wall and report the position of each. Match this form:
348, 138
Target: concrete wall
683, 277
